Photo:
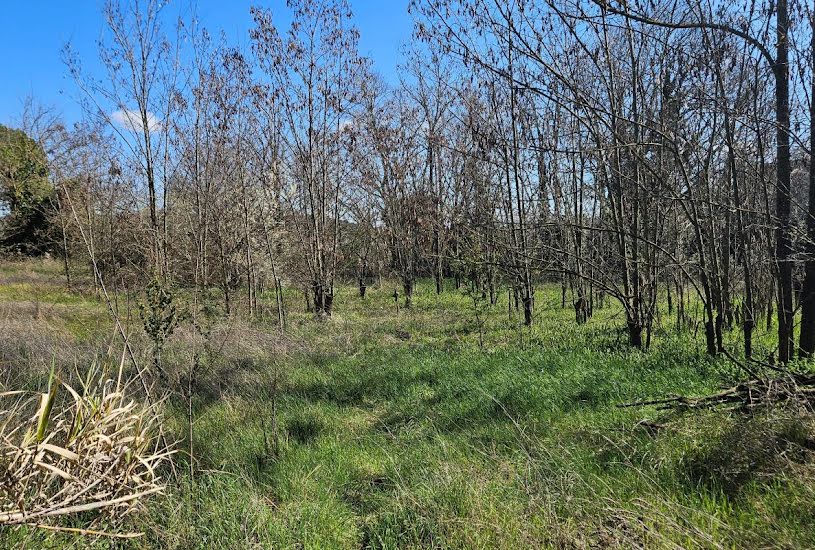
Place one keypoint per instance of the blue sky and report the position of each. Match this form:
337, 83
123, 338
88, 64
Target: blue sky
34, 32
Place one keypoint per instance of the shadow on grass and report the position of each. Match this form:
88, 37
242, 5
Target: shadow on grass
361, 385
752, 449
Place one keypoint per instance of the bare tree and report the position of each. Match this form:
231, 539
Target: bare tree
314, 72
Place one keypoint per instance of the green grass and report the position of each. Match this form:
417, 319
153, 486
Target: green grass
400, 431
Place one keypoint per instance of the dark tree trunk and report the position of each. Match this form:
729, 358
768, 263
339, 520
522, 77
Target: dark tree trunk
783, 241
408, 288
328, 303
580, 310
807, 341
528, 306
362, 279
438, 271
634, 333
323, 300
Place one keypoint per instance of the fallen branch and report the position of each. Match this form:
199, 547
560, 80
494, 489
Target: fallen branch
748, 395
88, 532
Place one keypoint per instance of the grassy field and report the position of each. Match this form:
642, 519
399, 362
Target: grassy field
401, 430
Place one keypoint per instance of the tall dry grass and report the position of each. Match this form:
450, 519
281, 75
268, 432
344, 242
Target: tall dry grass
93, 451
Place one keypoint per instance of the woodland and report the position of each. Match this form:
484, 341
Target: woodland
553, 288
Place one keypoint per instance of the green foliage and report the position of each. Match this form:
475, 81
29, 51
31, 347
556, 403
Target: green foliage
160, 317
25, 193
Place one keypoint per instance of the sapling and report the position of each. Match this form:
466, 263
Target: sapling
160, 317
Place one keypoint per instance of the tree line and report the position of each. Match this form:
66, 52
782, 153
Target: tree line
639, 152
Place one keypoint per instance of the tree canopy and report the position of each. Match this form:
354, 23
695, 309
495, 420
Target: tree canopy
25, 192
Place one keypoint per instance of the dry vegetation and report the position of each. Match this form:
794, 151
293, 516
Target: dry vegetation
66, 453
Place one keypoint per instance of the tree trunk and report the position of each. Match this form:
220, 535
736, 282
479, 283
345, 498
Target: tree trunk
408, 288
634, 333
783, 241
807, 340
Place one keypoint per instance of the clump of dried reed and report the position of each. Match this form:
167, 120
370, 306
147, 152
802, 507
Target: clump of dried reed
93, 453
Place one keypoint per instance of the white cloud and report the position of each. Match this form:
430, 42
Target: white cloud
132, 120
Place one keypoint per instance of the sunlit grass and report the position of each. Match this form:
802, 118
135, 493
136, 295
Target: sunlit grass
400, 430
